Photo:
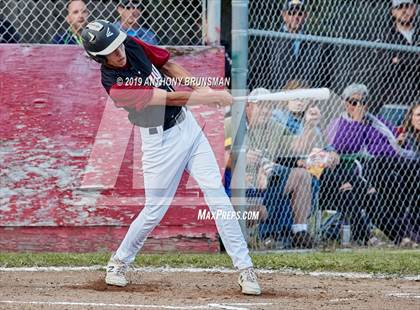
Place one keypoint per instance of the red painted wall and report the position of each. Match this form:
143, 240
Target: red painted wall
70, 161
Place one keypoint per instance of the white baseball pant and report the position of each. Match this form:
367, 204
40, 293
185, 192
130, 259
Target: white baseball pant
166, 155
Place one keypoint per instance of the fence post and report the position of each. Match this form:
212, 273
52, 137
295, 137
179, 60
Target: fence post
214, 8
239, 88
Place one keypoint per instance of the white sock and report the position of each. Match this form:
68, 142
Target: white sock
299, 227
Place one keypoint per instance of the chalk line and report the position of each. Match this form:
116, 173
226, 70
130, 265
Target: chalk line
347, 275
404, 295
226, 306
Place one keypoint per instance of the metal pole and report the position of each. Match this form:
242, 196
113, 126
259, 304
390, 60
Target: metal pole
214, 18
204, 22
336, 41
239, 88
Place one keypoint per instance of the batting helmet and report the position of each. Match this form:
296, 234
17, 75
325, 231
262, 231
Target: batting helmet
101, 38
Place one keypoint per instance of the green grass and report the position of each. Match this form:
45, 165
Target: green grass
398, 262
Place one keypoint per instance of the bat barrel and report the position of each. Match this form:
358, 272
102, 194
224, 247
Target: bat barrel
295, 94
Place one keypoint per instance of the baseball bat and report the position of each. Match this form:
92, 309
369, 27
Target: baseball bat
295, 94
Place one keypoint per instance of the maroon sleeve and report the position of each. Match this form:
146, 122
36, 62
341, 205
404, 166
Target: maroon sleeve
158, 56
133, 97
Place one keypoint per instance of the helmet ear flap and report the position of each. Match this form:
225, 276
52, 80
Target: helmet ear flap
100, 59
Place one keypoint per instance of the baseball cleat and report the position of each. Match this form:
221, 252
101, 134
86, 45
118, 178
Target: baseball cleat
116, 272
248, 282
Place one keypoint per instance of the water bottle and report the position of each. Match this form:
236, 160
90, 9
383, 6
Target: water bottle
345, 234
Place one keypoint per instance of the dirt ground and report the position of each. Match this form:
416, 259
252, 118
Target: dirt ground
86, 290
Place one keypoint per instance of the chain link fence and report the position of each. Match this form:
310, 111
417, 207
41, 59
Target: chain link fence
165, 22
343, 171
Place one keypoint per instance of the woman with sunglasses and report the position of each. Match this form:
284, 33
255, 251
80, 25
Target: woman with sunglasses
358, 131
370, 148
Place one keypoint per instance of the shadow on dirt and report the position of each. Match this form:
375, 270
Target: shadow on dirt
100, 286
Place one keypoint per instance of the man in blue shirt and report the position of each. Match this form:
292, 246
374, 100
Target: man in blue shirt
77, 16
130, 11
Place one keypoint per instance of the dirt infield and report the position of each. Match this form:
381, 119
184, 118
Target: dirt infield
198, 290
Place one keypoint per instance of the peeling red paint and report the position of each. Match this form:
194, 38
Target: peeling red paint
50, 112
77, 239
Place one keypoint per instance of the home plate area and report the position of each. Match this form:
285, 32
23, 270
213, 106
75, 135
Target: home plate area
200, 290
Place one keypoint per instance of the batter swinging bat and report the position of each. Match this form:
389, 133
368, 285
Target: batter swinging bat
296, 94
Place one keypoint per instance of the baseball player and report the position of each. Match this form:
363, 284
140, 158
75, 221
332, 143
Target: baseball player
172, 142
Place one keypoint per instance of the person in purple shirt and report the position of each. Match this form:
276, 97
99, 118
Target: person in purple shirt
381, 161
358, 131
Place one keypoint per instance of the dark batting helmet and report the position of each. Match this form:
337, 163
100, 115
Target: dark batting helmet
101, 38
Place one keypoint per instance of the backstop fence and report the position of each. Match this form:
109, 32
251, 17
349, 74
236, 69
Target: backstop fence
343, 171
164, 22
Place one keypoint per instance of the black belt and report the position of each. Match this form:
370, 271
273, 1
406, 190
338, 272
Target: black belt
179, 118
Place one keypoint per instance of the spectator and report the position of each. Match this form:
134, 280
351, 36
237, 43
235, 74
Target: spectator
356, 130
404, 14
260, 142
398, 73
252, 117
410, 137
410, 140
296, 59
130, 12
8, 33
293, 135
359, 133
345, 189
77, 18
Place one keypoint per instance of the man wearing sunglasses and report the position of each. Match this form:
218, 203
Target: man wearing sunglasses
398, 72
294, 16
130, 12
295, 59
